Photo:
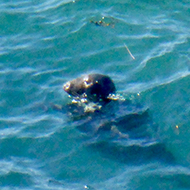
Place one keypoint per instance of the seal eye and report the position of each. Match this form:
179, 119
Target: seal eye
66, 86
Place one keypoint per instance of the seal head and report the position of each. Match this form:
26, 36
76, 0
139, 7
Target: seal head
95, 87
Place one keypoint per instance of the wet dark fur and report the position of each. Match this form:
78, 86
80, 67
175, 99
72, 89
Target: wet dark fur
96, 87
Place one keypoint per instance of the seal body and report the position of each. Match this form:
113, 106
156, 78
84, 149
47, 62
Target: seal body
95, 87
101, 112
119, 129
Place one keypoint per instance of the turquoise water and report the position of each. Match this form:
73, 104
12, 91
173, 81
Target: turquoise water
46, 43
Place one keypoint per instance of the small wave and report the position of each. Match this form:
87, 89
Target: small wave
51, 4
137, 37
17, 42
15, 7
142, 87
161, 50
31, 7
20, 172
10, 131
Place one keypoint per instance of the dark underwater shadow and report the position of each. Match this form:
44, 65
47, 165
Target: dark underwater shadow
121, 131
133, 154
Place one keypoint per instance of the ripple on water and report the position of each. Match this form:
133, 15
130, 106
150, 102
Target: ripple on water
46, 43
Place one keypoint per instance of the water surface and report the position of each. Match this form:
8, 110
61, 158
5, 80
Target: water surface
46, 43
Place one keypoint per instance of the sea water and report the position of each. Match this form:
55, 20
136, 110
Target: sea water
142, 45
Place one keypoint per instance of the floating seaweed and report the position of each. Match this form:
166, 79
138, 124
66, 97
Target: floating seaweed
102, 22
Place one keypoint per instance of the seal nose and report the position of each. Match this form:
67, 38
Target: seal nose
66, 86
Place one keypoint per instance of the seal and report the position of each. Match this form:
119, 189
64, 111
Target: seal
95, 87
123, 130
